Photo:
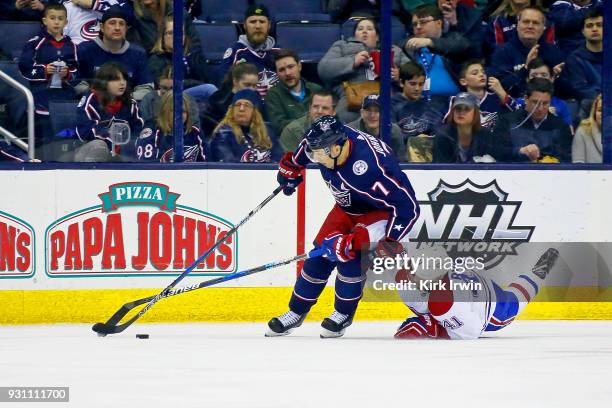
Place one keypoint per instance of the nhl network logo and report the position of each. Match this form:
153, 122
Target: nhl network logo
472, 220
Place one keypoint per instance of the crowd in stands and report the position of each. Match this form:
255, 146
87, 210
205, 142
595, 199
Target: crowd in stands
473, 81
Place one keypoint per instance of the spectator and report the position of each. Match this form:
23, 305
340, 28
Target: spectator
438, 54
464, 20
113, 47
502, 24
291, 96
255, 47
584, 66
157, 143
49, 61
532, 133
369, 123
586, 147
351, 61
463, 139
567, 17
321, 104
538, 69
242, 135
24, 10
474, 79
194, 67
241, 76
414, 114
510, 60
84, 16
108, 116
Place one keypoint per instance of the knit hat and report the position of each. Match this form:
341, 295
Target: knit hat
116, 12
249, 95
257, 10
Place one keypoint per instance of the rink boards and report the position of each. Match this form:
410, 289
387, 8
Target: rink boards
77, 244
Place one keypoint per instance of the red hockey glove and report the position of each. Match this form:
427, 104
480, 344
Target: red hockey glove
421, 326
289, 174
389, 248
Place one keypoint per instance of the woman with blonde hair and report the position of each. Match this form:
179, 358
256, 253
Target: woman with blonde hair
586, 147
242, 136
156, 143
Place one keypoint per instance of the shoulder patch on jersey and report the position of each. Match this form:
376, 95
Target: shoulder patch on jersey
82, 101
228, 53
360, 167
146, 132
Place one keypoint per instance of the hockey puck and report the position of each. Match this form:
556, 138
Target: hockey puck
142, 336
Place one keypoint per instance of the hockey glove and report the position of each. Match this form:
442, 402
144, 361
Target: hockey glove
421, 326
389, 248
344, 248
289, 174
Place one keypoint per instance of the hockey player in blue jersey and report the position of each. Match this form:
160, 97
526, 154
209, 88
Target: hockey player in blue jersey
374, 203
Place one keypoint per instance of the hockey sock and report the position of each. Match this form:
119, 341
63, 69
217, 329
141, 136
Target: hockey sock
310, 284
525, 287
348, 293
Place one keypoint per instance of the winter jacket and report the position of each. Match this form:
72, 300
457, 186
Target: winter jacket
586, 146
501, 29
553, 137
224, 148
283, 107
469, 24
294, 132
397, 139
446, 147
39, 52
508, 63
567, 16
582, 73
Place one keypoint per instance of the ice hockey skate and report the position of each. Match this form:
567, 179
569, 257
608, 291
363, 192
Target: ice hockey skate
284, 324
335, 325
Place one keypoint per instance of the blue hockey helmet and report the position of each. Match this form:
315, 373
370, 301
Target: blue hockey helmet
325, 132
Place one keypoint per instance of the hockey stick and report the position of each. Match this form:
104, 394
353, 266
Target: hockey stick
111, 323
103, 329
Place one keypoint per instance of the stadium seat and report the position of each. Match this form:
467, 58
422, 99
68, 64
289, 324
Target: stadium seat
223, 11
310, 40
63, 115
11, 69
216, 38
398, 31
296, 10
14, 36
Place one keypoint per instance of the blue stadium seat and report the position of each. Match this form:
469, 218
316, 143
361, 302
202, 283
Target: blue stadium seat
216, 38
296, 10
310, 40
398, 31
14, 35
223, 11
63, 115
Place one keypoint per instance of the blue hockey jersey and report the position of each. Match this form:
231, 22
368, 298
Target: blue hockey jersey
154, 145
37, 53
370, 180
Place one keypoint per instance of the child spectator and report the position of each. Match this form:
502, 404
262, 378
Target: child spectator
256, 46
112, 46
474, 79
242, 135
510, 60
108, 115
586, 147
369, 122
463, 139
414, 114
49, 62
157, 144
532, 134
290, 97
539, 69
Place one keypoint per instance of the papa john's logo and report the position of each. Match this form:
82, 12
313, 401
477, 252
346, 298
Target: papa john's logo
139, 229
472, 220
17, 248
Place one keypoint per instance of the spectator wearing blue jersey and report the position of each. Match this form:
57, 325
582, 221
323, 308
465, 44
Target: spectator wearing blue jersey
49, 62
242, 136
583, 69
567, 17
108, 118
113, 47
156, 143
463, 139
510, 60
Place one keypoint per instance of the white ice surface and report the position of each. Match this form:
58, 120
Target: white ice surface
528, 364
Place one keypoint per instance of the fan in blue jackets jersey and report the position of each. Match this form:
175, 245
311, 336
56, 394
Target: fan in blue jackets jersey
374, 203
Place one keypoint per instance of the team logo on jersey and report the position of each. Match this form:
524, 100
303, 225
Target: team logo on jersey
342, 195
227, 53
17, 247
146, 132
137, 229
90, 30
360, 167
471, 220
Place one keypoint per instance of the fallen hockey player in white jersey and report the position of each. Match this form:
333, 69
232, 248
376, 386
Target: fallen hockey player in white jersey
460, 314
